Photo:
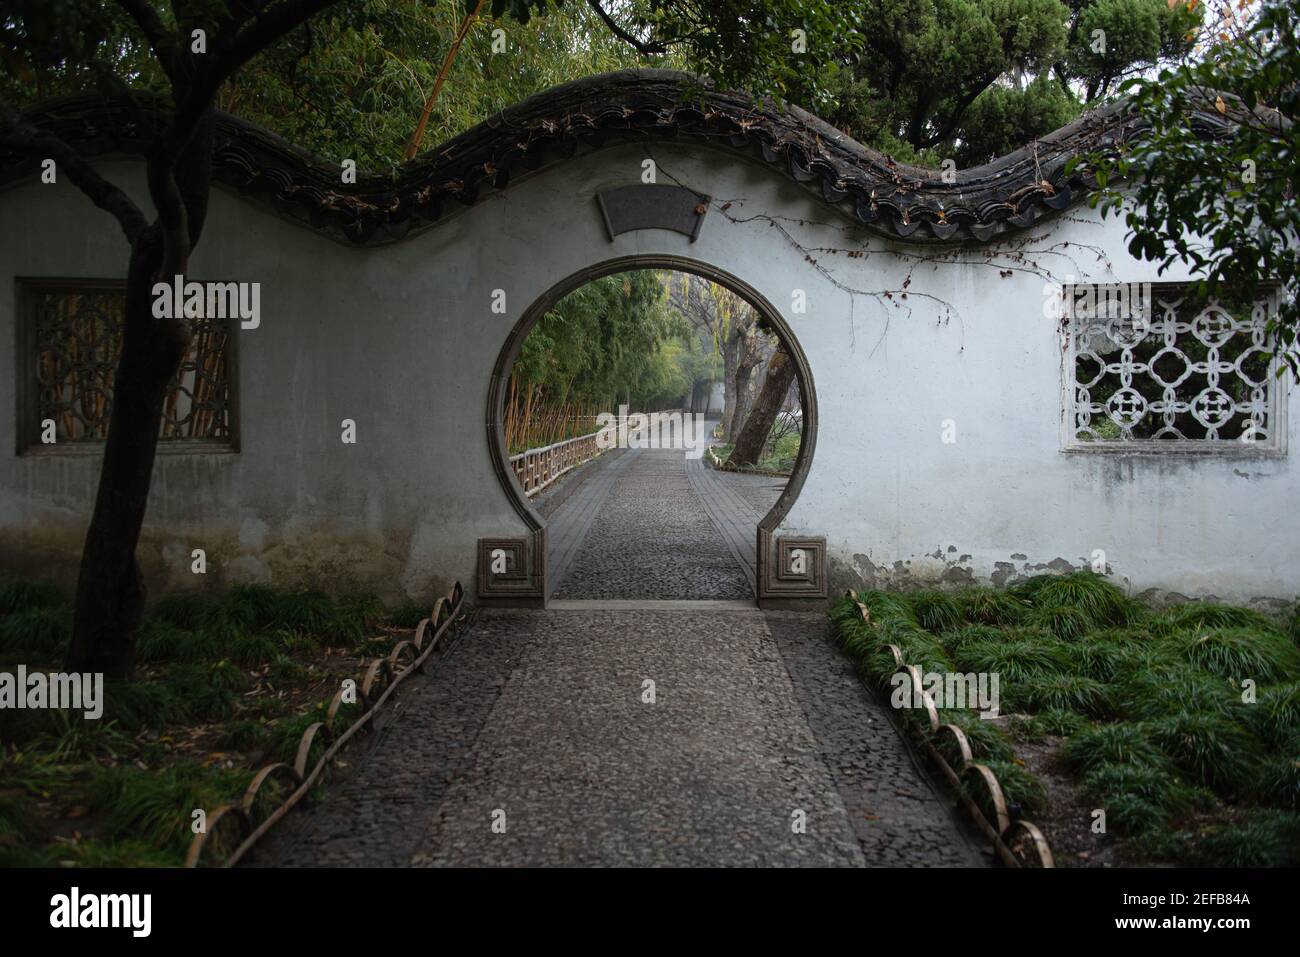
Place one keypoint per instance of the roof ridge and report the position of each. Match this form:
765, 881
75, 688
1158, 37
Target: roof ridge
894, 199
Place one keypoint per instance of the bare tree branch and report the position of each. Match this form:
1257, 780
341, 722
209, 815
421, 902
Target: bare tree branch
648, 49
154, 30
17, 135
227, 55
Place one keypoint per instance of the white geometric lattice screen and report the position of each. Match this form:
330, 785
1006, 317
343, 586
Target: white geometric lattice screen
1168, 371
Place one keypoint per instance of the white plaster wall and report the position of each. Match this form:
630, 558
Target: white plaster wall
402, 339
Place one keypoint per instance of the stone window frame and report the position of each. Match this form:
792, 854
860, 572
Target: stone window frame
1277, 399
27, 425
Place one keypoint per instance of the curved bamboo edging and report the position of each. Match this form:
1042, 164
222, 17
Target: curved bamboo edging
429, 636
1010, 839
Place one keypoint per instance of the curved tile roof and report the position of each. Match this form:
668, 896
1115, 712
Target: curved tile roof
897, 200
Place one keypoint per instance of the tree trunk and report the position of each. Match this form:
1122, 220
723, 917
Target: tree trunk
747, 358
753, 436
728, 385
110, 589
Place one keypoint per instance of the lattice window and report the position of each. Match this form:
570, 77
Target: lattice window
1157, 368
73, 339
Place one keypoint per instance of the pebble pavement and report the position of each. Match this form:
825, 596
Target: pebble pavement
633, 737
653, 539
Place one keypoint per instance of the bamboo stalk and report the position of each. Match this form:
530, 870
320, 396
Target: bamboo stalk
417, 137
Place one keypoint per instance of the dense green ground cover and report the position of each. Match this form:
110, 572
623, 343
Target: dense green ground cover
226, 684
1182, 724
778, 456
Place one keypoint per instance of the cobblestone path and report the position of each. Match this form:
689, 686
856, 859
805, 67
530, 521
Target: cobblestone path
540, 720
651, 538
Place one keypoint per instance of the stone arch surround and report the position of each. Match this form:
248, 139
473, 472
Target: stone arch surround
535, 542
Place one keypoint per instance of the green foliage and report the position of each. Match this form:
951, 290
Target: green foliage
919, 648
139, 705
953, 640
26, 596
194, 647
1027, 589
254, 648
314, 614
1097, 600
992, 606
892, 622
243, 735
408, 614
74, 738
1163, 688
1261, 838
784, 453
284, 670
1154, 728
1281, 704
286, 734
155, 805
1003, 117
887, 608
252, 624
1021, 789
205, 692
1138, 798
1276, 779
613, 340
1059, 722
162, 639
1222, 205
41, 632
1123, 742
358, 87
1068, 624
1198, 616
1020, 660
1074, 692
1101, 659
935, 610
1238, 653
1211, 748
987, 742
